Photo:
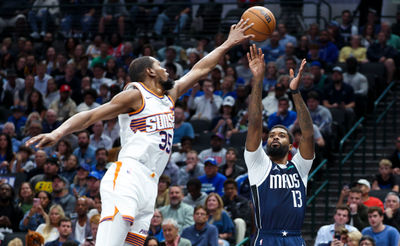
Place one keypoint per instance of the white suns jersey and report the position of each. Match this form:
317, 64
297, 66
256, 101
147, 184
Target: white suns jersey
146, 134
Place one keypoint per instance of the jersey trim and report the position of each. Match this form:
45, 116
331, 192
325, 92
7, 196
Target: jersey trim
135, 239
256, 199
172, 101
150, 91
141, 107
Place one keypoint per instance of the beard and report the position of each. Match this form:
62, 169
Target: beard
168, 84
277, 152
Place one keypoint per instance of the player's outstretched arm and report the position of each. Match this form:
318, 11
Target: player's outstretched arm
257, 67
207, 63
124, 102
303, 115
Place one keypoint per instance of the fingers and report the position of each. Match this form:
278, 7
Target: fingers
32, 140
291, 73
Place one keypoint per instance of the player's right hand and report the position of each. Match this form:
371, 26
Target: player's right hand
43, 140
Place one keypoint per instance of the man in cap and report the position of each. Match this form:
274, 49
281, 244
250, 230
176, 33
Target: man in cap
367, 200
65, 107
212, 181
61, 196
43, 182
17, 118
93, 184
217, 151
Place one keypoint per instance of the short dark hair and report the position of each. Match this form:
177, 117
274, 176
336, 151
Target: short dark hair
137, 68
356, 190
346, 11
84, 131
283, 99
366, 237
195, 182
64, 219
166, 179
200, 207
343, 207
313, 95
100, 149
230, 181
91, 92
286, 129
375, 209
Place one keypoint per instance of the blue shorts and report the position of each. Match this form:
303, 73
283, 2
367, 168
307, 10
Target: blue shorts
278, 238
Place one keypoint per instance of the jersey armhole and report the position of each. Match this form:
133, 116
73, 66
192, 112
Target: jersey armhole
133, 86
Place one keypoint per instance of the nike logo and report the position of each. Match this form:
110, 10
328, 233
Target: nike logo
275, 168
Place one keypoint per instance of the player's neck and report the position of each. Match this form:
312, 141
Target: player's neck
279, 160
155, 86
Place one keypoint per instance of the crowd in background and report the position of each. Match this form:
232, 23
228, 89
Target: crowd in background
204, 195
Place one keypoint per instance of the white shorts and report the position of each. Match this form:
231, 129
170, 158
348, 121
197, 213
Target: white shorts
130, 188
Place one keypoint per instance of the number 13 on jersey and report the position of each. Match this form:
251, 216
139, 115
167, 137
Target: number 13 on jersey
297, 199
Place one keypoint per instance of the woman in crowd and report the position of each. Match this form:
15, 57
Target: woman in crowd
34, 116
354, 50
38, 214
220, 218
7, 156
52, 93
69, 168
163, 189
111, 69
49, 229
353, 238
151, 241
36, 103
155, 226
226, 122
63, 150
25, 197
230, 168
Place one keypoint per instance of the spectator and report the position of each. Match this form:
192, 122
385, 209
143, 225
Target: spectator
61, 195
207, 105
270, 79
94, 225
85, 152
212, 181
339, 99
179, 157
22, 162
163, 191
358, 211
201, 233
289, 53
384, 235
320, 115
395, 157
171, 233
195, 196
7, 156
69, 168
368, 200
353, 238
385, 180
354, 50
155, 229
38, 213
101, 161
65, 107
181, 212
308, 86
367, 241
172, 170
170, 57
217, 151
44, 181
192, 168
63, 150
176, 14
219, 218
93, 184
64, 232
113, 11
111, 129
41, 78
231, 168
98, 139
326, 233
328, 51
383, 53
346, 28
40, 160
81, 226
359, 83
18, 119
79, 186
11, 14
392, 210
151, 241
9, 129
50, 121
69, 78
103, 57
10, 213
99, 78
283, 116
89, 101
36, 104
49, 229
270, 102
181, 128
273, 50
285, 38
25, 197
238, 209
392, 39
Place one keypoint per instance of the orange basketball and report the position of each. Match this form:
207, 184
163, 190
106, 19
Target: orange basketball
264, 22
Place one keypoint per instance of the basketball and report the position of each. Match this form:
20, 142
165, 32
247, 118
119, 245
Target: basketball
264, 22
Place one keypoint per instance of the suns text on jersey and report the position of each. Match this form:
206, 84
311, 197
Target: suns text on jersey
160, 122
284, 181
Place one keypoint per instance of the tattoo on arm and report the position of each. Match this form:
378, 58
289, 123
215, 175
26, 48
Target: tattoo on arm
255, 105
304, 117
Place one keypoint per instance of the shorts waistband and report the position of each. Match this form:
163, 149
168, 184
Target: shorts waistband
282, 233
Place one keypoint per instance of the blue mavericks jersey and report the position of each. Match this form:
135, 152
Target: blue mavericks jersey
280, 200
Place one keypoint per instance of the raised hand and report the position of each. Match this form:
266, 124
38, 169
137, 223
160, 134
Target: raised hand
236, 34
43, 140
295, 81
256, 61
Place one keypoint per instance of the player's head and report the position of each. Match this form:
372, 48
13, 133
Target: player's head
146, 67
279, 141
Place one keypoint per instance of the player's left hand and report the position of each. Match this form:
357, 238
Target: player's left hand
236, 34
295, 81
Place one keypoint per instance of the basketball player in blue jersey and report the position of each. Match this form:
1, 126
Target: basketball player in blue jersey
146, 116
278, 186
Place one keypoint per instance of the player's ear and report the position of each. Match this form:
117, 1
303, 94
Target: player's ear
150, 72
290, 147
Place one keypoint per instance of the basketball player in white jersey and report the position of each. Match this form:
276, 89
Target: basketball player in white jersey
146, 117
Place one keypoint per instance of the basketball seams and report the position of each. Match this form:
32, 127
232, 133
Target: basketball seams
266, 24
263, 14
